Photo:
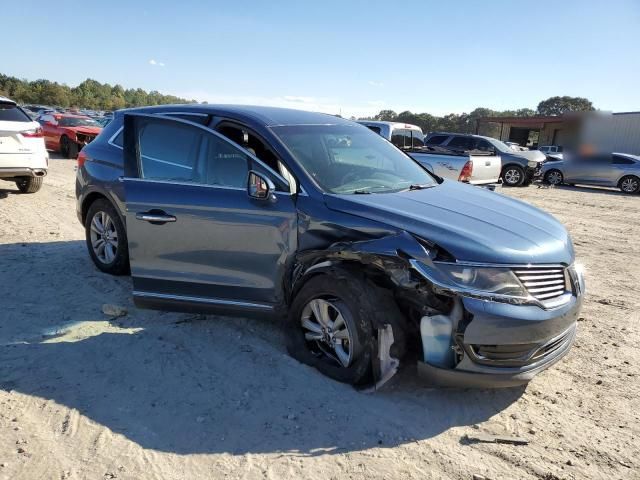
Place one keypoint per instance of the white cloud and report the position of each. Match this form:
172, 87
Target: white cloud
156, 63
301, 102
375, 84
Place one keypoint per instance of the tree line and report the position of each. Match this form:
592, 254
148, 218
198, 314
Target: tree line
466, 122
94, 95
89, 94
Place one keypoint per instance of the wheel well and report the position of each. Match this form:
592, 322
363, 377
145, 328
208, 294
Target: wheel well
504, 167
88, 201
627, 176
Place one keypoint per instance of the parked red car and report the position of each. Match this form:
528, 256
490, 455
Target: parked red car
67, 133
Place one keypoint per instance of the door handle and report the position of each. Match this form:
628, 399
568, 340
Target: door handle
155, 217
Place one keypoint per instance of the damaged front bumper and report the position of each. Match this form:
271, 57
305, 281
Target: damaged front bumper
506, 345
491, 342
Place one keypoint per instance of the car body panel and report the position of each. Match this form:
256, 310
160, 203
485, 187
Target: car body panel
599, 170
236, 249
225, 252
467, 222
54, 132
21, 152
485, 168
444, 163
528, 160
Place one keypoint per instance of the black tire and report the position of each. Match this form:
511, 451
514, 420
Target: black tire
513, 176
120, 263
629, 184
554, 177
72, 151
362, 305
29, 184
64, 146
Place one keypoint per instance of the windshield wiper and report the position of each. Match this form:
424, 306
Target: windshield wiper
419, 187
361, 192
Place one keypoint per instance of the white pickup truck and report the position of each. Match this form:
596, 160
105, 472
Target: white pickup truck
475, 167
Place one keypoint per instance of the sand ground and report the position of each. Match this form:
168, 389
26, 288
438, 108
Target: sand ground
173, 396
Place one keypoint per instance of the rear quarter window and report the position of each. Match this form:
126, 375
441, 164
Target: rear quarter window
12, 113
618, 160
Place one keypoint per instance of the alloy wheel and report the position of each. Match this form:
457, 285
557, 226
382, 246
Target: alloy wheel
104, 237
554, 177
326, 331
629, 185
512, 176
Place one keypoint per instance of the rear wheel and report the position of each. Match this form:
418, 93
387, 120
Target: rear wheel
331, 325
106, 238
513, 176
630, 184
72, 150
554, 177
64, 146
29, 184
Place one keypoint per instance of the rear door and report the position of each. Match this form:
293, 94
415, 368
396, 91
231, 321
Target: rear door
197, 241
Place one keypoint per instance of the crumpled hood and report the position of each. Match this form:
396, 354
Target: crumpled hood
471, 223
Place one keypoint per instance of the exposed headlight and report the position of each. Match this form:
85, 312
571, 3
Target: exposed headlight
532, 163
499, 281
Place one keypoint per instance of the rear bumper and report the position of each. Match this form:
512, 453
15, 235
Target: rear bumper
22, 172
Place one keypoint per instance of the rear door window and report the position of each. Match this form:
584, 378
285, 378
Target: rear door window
172, 151
619, 160
484, 146
10, 112
464, 143
168, 152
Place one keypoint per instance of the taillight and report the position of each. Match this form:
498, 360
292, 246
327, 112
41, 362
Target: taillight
37, 133
82, 157
466, 172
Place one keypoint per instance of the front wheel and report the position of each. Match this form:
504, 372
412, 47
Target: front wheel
554, 177
630, 184
513, 176
106, 238
331, 325
29, 184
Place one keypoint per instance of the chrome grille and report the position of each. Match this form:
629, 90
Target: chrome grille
543, 283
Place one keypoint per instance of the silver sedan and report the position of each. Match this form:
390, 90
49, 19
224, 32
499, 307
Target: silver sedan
620, 170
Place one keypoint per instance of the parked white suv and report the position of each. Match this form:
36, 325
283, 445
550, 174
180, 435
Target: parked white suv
23, 156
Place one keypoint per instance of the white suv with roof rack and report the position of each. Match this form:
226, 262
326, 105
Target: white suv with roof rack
23, 156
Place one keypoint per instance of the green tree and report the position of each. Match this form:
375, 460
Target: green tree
561, 105
386, 116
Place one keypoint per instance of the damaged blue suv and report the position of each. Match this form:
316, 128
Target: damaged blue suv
372, 260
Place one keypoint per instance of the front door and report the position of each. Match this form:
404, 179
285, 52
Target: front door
197, 241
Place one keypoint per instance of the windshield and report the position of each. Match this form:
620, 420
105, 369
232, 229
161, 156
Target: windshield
501, 146
347, 159
77, 122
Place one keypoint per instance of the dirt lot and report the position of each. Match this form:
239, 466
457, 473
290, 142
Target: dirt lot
173, 396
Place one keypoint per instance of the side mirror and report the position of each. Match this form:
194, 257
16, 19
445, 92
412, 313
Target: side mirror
259, 186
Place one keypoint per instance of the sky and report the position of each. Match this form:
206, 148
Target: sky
337, 56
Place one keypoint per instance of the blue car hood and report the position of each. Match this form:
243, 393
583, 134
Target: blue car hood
471, 223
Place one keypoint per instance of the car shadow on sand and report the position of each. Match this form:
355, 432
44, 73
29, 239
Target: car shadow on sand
590, 189
194, 384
